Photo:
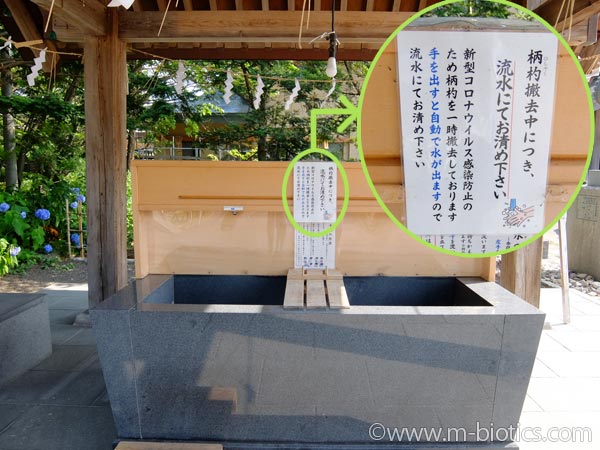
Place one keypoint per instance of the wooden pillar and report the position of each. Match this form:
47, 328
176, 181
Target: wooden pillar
521, 272
106, 150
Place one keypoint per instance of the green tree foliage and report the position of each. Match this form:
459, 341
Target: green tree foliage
276, 134
472, 8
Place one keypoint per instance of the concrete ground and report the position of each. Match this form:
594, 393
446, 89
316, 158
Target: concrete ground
62, 403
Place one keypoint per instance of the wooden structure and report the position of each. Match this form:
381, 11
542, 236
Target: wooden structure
182, 227
194, 29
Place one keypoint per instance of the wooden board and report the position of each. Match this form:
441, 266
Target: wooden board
294, 294
136, 445
315, 294
336, 293
197, 237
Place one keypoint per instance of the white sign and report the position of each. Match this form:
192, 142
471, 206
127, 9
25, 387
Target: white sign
476, 122
315, 192
475, 244
315, 253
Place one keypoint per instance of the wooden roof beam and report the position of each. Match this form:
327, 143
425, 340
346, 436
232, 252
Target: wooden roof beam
582, 11
29, 29
254, 26
90, 17
188, 5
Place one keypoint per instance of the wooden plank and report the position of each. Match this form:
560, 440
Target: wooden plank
336, 293
314, 274
88, 16
105, 73
239, 5
137, 445
315, 294
295, 274
396, 5
213, 5
294, 294
331, 274
253, 26
521, 272
265, 5
162, 4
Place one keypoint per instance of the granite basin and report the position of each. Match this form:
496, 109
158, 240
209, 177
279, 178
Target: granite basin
218, 358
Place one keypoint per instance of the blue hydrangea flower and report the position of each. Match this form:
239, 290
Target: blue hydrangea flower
4, 207
81, 198
48, 248
75, 191
74, 205
76, 239
14, 251
42, 214
23, 215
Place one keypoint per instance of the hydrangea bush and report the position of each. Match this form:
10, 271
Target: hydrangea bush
33, 222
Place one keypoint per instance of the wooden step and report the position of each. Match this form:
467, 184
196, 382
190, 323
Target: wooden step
137, 445
336, 293
315, 289
315, 294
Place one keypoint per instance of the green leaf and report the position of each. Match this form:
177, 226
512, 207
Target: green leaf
38, 236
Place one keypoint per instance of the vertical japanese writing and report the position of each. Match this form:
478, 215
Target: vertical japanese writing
505, 72
435, 132
535, 60
452, 130
416, 69
469, 71
476, 112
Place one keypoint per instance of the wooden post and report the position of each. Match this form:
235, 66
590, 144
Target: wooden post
521, 272
106, 148
564, 268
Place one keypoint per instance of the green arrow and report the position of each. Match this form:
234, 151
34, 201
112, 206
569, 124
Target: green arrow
350, 110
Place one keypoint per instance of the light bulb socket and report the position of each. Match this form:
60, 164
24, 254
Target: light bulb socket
333, 43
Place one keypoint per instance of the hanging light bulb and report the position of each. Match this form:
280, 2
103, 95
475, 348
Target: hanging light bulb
331, 69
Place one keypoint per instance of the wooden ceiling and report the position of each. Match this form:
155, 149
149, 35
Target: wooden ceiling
251, 29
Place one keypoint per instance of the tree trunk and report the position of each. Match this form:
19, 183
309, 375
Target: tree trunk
8, 124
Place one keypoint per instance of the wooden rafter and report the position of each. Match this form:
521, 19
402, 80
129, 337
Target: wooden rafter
188, 5
253, 26
265, 5
89, 17
396, 5
291, 5
213, 5
239, 5
162, 4
29, 30
582, 10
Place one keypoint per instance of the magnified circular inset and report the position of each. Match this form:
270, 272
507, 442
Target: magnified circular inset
475, 133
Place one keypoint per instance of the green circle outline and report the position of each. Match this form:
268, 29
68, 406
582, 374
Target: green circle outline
366, 170
286, 207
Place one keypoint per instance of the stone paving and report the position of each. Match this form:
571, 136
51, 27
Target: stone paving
62, 403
